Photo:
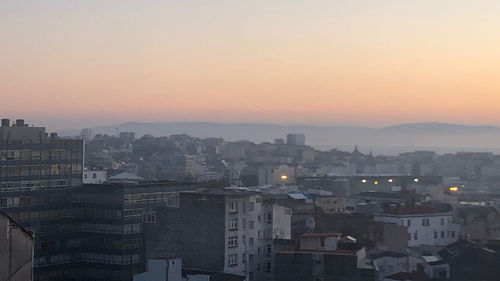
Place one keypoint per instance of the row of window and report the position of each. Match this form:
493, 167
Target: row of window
232, 260
45, 154
436, 236
87, 257
233, 206
426, 222
37, 184
233, 223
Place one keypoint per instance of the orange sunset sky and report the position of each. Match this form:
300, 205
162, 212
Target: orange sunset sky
70, 64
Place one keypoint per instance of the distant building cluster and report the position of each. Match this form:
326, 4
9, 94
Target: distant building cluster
147, 208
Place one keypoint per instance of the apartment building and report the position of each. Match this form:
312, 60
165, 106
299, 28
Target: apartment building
231, 231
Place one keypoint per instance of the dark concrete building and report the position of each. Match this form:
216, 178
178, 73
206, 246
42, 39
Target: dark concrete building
470, 260
231, 231
31, 159
325, 257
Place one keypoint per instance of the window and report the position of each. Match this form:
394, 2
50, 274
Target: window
94, 175
251, 206
232, 241
453, 234
415, 236
425, 222
250, 242
269, 248
409, 223
442, 234
409, 236
435, 234
442, 221
269, 218
233, 224
233, 207
243, 258
232, 260
250, 224
268, 267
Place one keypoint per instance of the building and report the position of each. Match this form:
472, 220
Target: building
30, 159
295, 139
38, 172
333, 204
323, 257
470, 260
369, 233
427, 225
94, 177
16, 250
231, 231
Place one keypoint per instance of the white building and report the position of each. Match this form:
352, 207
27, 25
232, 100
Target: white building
426, 225
94, 177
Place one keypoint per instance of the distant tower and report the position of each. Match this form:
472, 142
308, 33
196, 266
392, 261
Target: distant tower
295, 139
356, 151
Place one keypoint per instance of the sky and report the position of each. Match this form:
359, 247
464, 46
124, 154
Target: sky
73, 64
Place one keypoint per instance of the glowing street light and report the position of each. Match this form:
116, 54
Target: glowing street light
390, 180
454, 188
363, 181
415, 180
375, 182
284, 177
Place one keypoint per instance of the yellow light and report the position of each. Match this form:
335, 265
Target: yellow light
284, 177
415, 180
375, 182
390, 180
454, 188
363, 180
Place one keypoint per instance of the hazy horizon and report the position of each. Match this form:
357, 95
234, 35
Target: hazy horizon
369, 63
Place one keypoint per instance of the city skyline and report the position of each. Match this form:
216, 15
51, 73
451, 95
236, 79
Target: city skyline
91, 63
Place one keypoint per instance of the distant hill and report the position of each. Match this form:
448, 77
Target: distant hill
404, 137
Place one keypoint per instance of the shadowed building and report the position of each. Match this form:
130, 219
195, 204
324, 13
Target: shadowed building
16, 250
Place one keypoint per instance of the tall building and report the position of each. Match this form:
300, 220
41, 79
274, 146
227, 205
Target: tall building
231, 231
30, 159
296, 139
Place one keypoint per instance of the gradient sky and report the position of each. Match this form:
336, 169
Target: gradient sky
71, 64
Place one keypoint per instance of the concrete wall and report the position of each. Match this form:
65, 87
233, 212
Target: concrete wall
16, 251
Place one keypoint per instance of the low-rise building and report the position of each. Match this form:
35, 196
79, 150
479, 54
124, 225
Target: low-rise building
427, 225
323, 257
94, 177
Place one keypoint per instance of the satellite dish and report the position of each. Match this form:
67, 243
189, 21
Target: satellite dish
310, 223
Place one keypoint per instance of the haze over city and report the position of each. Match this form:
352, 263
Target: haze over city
74, 64
262, 140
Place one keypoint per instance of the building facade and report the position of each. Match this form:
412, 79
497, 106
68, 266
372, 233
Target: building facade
31, 159
426, 225
231, 231
323, 257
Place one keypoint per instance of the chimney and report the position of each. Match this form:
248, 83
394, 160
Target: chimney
20, 122
5, 122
